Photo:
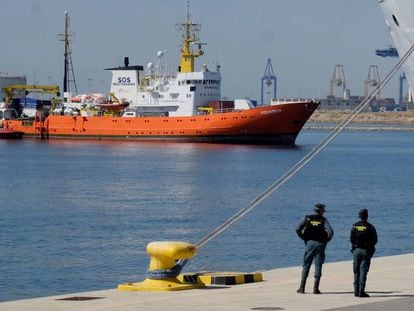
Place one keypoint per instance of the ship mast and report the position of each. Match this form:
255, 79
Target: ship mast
67, 38
188, 55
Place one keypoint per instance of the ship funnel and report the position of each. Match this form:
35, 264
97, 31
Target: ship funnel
126, 61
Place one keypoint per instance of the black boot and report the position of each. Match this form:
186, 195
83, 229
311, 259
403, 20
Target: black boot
356, 284
363, 294
356, 290
301, 289
304, 277
316, 286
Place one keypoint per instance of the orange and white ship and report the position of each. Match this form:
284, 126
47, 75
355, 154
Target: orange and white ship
181, 106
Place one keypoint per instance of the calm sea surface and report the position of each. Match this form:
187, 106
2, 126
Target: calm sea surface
77, 215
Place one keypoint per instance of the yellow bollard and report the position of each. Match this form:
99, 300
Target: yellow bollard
164, 257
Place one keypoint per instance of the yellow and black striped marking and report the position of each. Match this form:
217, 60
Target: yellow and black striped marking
221, 278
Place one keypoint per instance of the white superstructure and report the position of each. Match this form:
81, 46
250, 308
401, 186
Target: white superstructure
156, 92
399, 15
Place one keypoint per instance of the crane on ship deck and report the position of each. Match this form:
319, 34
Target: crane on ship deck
11, 91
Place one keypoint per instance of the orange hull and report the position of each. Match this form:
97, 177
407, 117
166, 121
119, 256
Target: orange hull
279, 124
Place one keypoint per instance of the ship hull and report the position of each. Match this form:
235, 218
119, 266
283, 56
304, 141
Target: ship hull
399, 19
7, 134
276, 125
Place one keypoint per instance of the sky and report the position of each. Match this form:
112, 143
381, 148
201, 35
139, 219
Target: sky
304, 39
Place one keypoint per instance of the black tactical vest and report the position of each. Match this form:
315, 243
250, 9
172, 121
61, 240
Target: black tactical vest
315, 229
361, 235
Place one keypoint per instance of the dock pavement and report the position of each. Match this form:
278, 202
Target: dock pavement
390, 285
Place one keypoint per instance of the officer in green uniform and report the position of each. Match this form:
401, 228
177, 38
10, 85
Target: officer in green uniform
363, 238
316, 232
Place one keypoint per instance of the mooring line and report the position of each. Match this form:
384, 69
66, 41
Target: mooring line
307, 158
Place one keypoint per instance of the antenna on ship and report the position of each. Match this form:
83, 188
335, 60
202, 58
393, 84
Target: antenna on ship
69, 74
188, 55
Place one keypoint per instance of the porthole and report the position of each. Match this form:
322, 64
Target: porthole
395, 19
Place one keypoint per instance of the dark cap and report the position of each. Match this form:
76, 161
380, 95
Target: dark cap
363, 214
320, 207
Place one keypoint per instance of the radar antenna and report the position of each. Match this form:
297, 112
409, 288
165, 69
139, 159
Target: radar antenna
190, 32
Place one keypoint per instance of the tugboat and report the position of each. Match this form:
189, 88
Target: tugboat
182, 106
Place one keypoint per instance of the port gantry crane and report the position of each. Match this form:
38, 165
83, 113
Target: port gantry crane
338, 80
373, 79
393, 53
269, 79
390, 52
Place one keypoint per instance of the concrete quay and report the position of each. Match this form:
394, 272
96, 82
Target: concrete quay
390, 285
382, 128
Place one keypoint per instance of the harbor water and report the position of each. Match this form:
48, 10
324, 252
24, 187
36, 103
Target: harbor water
76, 215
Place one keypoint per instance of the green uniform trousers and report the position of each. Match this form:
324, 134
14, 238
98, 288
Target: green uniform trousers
314, 250
362, 261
